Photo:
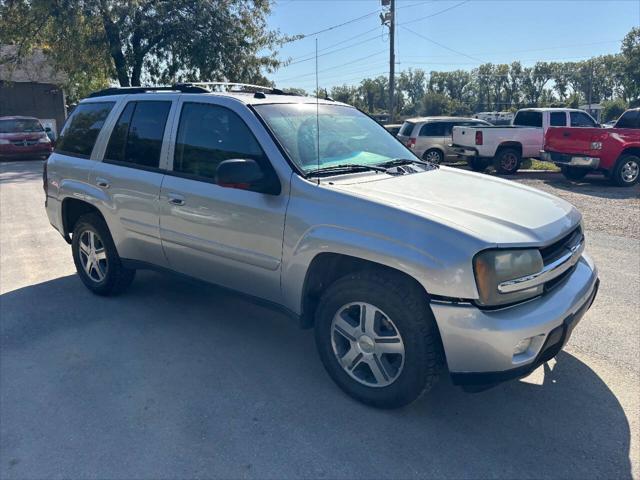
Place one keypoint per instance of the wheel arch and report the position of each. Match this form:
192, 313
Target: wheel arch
72, 209
433, 147
327, 267
635, 150
504, 145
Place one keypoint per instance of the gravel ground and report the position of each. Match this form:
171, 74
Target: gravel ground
608, 209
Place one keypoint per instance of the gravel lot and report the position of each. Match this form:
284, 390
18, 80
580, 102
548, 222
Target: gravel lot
176, 379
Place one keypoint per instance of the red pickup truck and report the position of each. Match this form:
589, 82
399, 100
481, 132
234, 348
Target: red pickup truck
614, 151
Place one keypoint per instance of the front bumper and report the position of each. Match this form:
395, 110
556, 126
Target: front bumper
479, 344
570, 160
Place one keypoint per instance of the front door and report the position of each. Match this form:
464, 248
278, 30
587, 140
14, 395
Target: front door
228, 236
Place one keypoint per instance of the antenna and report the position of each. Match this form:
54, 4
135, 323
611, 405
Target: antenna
317, 114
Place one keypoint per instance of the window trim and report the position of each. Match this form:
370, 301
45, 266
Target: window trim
579, 113
97, 140
137, 166
270, 170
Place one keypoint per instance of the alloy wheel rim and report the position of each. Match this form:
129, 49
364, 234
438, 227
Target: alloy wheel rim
367, 344
433, 157
93, 256
509, 161
630, 171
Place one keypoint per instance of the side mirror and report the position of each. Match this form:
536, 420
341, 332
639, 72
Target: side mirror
47, 129
246, 174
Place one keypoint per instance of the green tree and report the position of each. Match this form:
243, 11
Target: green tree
434, 103
157, 41
630, 51
612, 109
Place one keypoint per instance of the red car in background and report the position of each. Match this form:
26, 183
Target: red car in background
613, 151
23, 137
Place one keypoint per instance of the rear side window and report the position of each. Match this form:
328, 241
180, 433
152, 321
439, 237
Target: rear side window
406, 129
209, 134
581, 119
558, 119
433, 129
137, 137
629, 119
82, 128
528, 119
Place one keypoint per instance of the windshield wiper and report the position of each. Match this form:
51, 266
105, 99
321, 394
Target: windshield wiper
406, 161
345, 168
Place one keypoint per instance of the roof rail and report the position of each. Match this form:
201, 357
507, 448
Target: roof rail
241, 87
192, 87
178, 87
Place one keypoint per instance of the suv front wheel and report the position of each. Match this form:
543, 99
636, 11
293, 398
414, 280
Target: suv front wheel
377, 339
96, 258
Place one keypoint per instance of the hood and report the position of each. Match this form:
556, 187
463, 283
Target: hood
497, 211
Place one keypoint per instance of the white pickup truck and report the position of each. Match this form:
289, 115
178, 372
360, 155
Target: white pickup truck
524, 138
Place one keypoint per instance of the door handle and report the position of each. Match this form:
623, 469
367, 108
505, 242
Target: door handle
566, 134
175, 199
102, 182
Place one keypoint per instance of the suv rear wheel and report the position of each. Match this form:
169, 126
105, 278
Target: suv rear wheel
96, 258
433, 155
377, 338
627, 171
508, 161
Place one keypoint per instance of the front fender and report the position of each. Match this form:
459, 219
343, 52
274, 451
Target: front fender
439, 274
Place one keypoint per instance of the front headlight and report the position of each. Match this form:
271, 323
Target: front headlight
44, 139
493, 267
4, 141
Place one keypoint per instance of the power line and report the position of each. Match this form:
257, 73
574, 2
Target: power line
434, 13
334, 51
332, 67
333, 27
312, 54
443, 46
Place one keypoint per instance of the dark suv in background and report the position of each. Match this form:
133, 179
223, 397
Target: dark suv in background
23, 137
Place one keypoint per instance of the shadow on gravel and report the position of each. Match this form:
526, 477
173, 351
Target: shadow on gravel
179, 379
14, 171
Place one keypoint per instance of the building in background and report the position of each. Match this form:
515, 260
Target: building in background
32, 87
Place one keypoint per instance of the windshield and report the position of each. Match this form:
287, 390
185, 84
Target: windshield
20, 125
347, 136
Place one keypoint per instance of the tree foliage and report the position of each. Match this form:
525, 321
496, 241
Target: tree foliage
146, 41
610, 79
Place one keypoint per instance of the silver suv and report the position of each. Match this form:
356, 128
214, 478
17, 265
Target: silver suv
430, 137
403, 268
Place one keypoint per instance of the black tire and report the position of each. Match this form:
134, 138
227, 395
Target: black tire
508, 161
433, 155
477, 164
574, 173
407, 306
620, 175
116, 278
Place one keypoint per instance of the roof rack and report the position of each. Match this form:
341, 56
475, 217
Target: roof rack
178, 87
193, 87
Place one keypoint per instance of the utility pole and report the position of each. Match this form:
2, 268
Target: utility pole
388, 18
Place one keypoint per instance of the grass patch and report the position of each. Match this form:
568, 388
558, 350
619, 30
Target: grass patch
533, 164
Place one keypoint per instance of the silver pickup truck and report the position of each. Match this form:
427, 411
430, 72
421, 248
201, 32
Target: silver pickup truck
404, 268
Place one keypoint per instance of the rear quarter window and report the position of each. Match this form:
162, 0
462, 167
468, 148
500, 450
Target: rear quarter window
528, 119
406, 129
82, 128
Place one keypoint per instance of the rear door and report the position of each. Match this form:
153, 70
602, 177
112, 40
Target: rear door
228, 236
130, 176
430, 135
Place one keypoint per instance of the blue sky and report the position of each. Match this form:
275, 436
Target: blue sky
467, 34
